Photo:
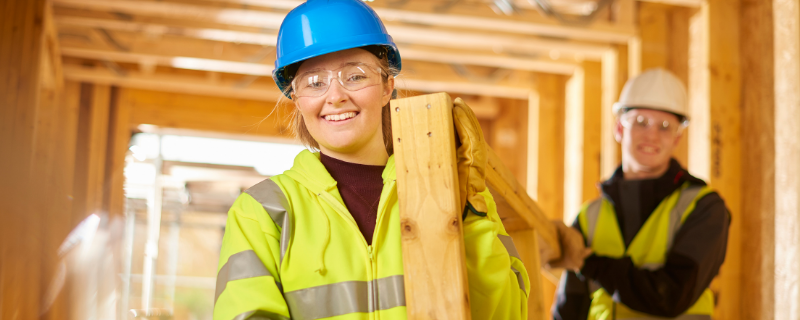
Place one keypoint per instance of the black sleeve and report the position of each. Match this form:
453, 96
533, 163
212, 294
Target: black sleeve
572, 297
693, 261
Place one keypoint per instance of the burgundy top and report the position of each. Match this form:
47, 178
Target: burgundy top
360, 186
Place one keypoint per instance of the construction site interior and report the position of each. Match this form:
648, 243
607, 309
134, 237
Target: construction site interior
129, 127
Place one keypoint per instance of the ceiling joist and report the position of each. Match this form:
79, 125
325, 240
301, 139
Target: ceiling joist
402, 34
408, 52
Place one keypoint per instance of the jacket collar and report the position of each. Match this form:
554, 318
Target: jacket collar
311, 173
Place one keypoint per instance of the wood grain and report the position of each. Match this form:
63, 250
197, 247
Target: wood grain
432, 236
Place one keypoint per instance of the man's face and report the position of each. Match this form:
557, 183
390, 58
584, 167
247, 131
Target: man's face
648, 137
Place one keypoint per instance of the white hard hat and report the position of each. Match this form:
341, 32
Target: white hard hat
656, 89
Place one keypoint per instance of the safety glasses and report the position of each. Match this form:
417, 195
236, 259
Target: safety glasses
353, 77
641, 123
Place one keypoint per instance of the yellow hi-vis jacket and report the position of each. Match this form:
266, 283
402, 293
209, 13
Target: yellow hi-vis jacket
648, 250
292, 250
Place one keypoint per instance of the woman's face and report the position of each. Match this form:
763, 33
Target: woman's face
343, 121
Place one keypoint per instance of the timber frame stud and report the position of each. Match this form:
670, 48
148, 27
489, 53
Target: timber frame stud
432, 235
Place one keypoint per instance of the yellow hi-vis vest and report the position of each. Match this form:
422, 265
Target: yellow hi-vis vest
292, 250
648, 250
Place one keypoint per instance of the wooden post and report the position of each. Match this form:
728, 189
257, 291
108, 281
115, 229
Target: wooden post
714, 142
432, 236
582, 138
787, 152
91, 150
758, 160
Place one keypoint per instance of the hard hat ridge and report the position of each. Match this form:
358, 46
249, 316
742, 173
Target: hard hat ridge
318, 27
656, 89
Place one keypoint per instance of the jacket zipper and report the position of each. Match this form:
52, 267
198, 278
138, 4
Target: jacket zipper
370, 248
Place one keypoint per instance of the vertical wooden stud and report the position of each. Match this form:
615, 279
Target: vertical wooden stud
714, 145
432, 236
758, 160
787, 152
119, 135
91, 150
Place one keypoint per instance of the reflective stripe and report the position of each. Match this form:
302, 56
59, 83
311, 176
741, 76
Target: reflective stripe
592, 214
683, 317
269, 194
242, 265
512, 251
260, 315
510, 247
346, 297
520, 281
686, 198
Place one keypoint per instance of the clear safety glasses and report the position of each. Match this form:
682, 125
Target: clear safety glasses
353, 77
641, 123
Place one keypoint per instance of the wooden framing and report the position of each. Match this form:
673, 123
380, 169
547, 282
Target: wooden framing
433, 249
434, 261
715, 139
786, 272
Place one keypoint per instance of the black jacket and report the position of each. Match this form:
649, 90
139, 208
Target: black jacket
692, 262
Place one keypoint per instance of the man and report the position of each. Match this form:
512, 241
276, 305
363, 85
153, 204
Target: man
657, 234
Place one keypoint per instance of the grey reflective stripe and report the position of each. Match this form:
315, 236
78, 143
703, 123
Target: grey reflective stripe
242, 265
592, 214
512, 251
260, 315
686, 198
510, 247
346, 297
520, 281
269, 194
683, 317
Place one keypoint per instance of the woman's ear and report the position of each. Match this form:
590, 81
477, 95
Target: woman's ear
387, 91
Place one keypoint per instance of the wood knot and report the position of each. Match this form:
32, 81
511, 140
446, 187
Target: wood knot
408, 229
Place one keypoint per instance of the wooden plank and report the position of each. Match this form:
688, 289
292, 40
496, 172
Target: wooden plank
119, 135
582, 138
529, 23
21, 232
550, 178
611, 87
237, 116
758, 133
432, 236
235, 39
91, 150
787, 187
515, 207
715, 140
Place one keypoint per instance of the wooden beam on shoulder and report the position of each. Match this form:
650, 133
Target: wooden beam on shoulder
434, 258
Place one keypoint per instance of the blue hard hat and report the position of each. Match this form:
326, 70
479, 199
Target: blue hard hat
317, 27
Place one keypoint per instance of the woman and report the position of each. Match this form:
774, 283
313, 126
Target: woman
322, 240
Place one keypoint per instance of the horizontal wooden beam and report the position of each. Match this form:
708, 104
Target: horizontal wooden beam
169, 83
680, 3
407, 52
527, 24
200, 86
197, 86
401, 33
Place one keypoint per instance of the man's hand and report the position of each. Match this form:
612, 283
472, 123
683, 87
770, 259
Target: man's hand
573, 250
472, 158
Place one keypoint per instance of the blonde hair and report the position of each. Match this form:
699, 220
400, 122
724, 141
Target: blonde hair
300, 131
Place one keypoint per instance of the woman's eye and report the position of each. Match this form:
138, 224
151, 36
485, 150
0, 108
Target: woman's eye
356, 77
